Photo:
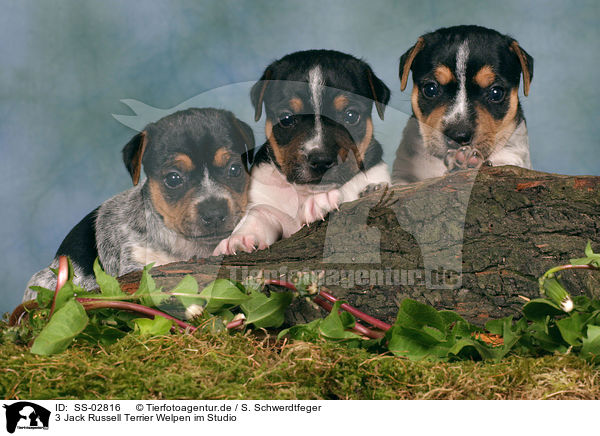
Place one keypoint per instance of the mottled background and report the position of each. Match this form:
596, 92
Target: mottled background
65, 66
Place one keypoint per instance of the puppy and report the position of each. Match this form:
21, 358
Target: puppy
196, 164
465, 103
320, 149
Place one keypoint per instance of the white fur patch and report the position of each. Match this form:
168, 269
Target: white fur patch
316, 85
459, 108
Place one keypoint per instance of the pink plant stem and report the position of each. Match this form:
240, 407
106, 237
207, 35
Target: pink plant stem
92, 303
61, 278
358, 327
357, 313
282, 283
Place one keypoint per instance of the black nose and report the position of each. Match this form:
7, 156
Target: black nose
458, 136
213, 211
320, 162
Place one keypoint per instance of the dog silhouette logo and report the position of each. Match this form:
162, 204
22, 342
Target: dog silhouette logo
26, 415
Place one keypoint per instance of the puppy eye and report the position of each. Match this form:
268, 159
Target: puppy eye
496, 94
287, 119
235, 170
173, 180
351, 117
431, 90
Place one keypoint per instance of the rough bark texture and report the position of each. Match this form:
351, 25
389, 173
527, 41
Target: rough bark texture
491, 233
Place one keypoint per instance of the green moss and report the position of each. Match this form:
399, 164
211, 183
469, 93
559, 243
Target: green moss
248, 367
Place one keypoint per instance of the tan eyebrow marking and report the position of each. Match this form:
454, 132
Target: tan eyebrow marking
296, 105
443, 75
185, 161
485, 76
340, 102
221, 158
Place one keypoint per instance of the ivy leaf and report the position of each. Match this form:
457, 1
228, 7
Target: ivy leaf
591, 344
416, 315
571, 328
109, 286
147, 289
538, 309
66, 323
159, 326
44, 295
263, 311
220, 293
302, 332
187, 285
335, 324
67, 293
590, 259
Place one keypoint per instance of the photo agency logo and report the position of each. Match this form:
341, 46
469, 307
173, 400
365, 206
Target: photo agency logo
26, 416
311, 161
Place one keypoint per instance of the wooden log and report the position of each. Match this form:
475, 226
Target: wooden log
474, 242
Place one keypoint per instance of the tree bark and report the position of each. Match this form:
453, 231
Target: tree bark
474, 242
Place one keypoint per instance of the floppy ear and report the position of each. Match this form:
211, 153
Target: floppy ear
247, 135
132, 155
379, 91
257, 93
526, 62
406, 61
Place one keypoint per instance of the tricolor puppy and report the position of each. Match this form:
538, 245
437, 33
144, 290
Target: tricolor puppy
465, 103
320, 149
194, 194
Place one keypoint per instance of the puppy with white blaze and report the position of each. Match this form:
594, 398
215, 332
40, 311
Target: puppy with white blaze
320, 149
466, 109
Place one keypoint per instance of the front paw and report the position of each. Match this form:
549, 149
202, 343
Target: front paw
464, 158
238, 243
318, 205
373, 187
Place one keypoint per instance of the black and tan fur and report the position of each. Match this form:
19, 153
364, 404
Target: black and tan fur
466, 109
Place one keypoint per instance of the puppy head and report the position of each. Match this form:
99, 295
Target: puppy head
318, 105
196, 162
465, 92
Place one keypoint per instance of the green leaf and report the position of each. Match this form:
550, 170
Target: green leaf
159, 326
263, 311
571, 328
334, 326
591, 344
147, 291
67, 293
222, 292
408, 343
44, 295
590, 259
66, 323
109, 286
188, 285
540, 308
302, 332
101, 334
416, 315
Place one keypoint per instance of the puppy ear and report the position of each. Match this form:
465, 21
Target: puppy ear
257, 94
247, 136
380, 92
526, 65
406, 61
132, 155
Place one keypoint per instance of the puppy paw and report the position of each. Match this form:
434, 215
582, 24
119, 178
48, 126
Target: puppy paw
239, 243
373, 187
464, 158
317, 206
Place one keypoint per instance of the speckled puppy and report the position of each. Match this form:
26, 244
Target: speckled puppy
196, 164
